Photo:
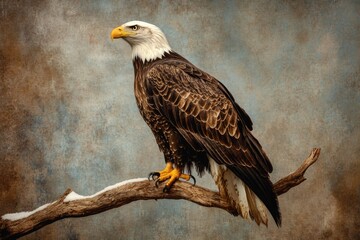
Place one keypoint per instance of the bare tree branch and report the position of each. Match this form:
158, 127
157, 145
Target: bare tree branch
74, 205
297, 177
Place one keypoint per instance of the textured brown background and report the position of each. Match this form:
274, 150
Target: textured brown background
68, 116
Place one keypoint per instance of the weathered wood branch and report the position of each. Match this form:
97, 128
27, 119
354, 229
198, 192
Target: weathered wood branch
74, 205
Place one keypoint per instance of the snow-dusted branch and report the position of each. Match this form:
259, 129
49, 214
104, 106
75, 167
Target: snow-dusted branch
71, 204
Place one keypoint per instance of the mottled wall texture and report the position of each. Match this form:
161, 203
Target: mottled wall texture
68, 116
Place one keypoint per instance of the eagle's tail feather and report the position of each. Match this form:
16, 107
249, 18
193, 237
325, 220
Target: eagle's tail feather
257, 208
247, 204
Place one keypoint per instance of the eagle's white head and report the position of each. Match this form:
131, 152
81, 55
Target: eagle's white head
147, 41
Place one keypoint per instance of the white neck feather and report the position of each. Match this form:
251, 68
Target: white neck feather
150, 50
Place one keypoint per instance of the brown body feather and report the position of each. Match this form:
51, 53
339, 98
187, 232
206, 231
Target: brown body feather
193, 116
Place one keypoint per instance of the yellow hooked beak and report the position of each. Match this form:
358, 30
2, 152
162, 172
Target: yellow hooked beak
119, 32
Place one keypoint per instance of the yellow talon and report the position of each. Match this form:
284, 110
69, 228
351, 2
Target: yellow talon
167, 169
173, 174
185, 176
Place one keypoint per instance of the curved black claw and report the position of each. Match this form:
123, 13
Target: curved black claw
152, 174
166, 189
193, 178
157, 181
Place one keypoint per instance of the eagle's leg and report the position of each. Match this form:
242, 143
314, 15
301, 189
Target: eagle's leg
173, 146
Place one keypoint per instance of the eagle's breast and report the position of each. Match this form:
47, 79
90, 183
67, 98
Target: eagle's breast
154, 119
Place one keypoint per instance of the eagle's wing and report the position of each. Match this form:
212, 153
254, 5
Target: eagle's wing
206, 115
199, 105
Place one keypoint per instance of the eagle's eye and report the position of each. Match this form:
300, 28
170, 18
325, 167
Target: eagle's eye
134, 28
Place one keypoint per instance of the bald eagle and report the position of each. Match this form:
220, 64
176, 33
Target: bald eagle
197, 123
